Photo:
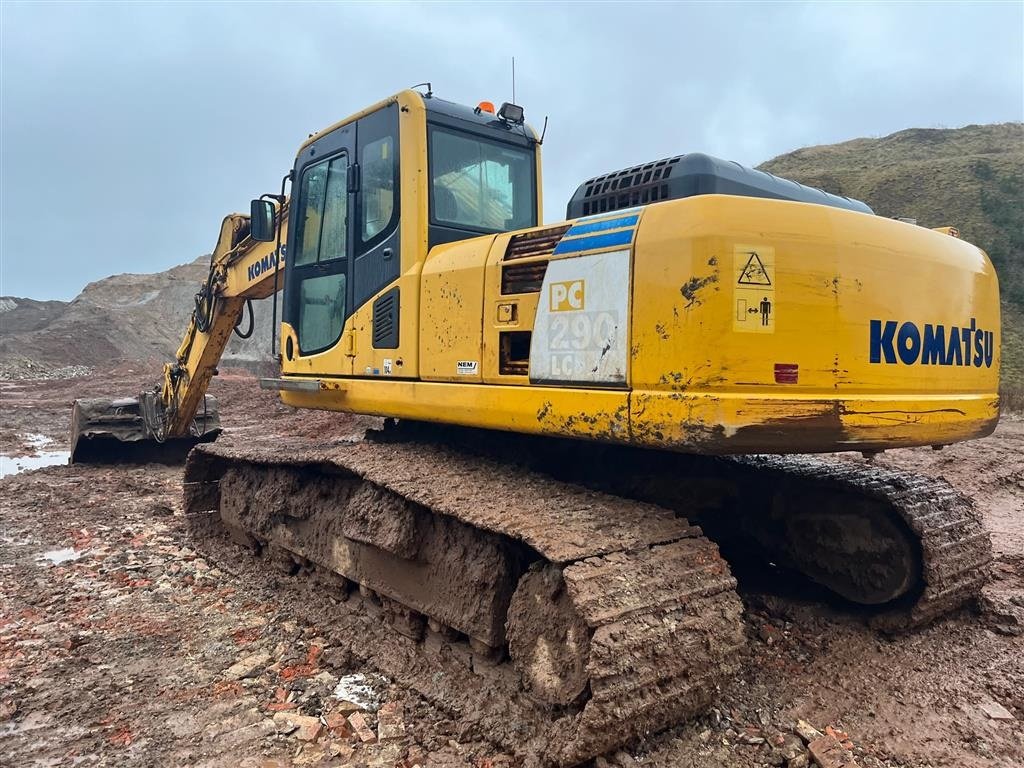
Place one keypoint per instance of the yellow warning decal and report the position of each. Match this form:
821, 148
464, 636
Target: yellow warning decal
754, 289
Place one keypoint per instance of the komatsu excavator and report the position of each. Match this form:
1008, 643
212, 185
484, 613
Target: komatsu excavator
571, 398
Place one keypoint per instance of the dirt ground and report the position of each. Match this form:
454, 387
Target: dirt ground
124, 642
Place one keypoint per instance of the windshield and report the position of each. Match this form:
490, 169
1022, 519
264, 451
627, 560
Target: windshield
481, 184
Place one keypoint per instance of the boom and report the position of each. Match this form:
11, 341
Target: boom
170, 419
241, 269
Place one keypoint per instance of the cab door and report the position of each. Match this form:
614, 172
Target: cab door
377, 346
318, 290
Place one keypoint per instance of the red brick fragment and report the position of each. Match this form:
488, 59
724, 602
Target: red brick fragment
829, 753
338, 725
362, 728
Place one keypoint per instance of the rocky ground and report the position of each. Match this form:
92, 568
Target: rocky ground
125, 642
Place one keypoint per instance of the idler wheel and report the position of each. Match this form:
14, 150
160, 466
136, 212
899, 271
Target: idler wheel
861, 554
547, 640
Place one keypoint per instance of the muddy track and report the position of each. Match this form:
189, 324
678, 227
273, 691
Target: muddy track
956, 551
595, 619
800, 509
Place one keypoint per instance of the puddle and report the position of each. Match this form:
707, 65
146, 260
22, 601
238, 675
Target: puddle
12, 465
58, 556
358, 689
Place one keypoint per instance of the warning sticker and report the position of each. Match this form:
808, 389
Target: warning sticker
754, 289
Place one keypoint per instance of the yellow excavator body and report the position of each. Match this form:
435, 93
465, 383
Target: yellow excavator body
713, 323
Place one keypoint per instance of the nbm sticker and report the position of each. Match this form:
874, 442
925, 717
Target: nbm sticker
893, 341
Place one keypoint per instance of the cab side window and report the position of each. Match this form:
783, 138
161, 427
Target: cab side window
378, 167
314, 182
377, 252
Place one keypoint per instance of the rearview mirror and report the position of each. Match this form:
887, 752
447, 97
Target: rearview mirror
261, 221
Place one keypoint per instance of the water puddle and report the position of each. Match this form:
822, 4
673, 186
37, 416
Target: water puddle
12, 465
59, 556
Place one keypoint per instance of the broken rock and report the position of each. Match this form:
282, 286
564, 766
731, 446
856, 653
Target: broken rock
337, 749
390, 722
828, 752
806, 731
362, 728
338, 724
304, 727
788, 747
250, 666
996, 711
284, 723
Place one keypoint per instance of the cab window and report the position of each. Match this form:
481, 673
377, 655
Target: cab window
480, 184
323, 220
378, 188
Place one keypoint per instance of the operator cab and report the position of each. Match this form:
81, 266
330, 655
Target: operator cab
363, 209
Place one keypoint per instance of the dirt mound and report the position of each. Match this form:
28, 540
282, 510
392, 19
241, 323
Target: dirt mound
123, 317
18, 315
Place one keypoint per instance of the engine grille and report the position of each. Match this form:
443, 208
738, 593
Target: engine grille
539, 243
638, 185
523, 278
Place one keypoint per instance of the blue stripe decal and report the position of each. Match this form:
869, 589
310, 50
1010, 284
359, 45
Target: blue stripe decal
623, 212
623, 237
601, 226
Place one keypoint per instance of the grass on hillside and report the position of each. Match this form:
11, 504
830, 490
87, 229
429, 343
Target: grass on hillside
971, 178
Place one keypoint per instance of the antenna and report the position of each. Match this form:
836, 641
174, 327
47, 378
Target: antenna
514, 80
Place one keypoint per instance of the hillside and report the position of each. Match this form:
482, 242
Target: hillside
971, 178
18, 315
133, 317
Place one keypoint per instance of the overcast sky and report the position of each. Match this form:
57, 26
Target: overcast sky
129, 130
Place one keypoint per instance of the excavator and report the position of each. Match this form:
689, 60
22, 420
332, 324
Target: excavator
580, 418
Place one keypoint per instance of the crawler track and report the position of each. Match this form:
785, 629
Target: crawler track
567, 575
911, 548
955, 549
598, 618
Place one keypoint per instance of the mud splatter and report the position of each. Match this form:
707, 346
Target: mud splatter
693, 286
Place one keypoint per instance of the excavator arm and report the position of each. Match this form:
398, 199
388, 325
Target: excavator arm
163, 423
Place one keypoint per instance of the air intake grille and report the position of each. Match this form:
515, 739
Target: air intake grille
638, 185
385, 321
523, 278
539, 243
